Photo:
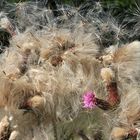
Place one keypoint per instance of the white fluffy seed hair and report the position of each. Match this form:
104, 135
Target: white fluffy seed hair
126, 64
53, 89
44, 73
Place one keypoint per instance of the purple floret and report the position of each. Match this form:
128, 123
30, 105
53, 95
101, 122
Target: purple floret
89, 100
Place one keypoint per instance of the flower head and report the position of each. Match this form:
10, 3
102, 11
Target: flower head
89, 100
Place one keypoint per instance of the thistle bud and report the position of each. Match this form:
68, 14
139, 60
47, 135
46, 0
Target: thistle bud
5, 129
36, 102
107, 75
118, 133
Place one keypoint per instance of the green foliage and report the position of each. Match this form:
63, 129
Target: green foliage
72, 2
121, 9
122, 3
117, 3
16, 1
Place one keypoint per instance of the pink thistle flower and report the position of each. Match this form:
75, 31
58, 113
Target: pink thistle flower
89, 100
